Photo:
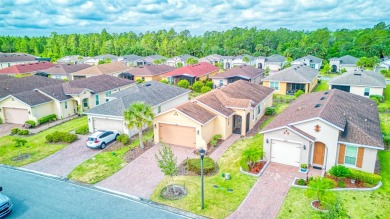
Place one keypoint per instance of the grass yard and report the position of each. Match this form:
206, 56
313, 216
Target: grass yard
281, 102
104, 164
219, 203
330, 75
36, 144
194, 94
323, 86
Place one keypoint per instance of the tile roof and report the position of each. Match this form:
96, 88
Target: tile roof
65, 69
107, 56
97, 84
196, 70
5, 77
26, 68
347, 59
109, 68
130, 58
243, 70
295, 74
32, 98
150, 59
356, 115
196, 112
16, 57
211, 58
313, 59
150, 70
360, 78
275, 58
184, 57
154, 94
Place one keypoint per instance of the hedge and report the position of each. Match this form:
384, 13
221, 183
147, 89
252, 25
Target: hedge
214, 140
32, 123
123, 138
15, 131
270, 111
48, 118
208, 165
365, 177
23, 132
83, 130
61, 137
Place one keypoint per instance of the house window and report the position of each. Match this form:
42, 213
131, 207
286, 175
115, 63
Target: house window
312, 66
220, 83
258, 109
97, 99
66, 105
350, 155
274, 85
143, 78
108, 93
159, 109
85, 102
366, 91
58, 77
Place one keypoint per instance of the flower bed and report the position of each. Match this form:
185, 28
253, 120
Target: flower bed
257, 170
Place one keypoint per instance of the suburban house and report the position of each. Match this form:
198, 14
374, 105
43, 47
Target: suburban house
30, 98
273, 63
292, 79
359, 82
234, 108
26, 69
243, 72
233, 61
174, 61
161, 97
63, 71
114, 69
132, 60
346, 62
106, 57
321, 130
148, 72
10, 59
151, 59
213, 59
383, 65
309, 60
191, 73
74, 59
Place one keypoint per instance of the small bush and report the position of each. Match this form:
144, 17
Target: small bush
139, 80
299, 93
123, 138
208, 165
210, 84
376, 100
339, 171
380, 98
19, 142
213, 142
304, 166
270, 111
341, 184
23, 132
365, 177
183, 84
1, 121
164, 81
386, 139
205, 89
60, 137
197, 86
15, 131
301, 182
31, 123
83, 130
244, 165
48, 118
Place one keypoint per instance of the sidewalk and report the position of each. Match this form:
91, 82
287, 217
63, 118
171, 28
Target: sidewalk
43, 127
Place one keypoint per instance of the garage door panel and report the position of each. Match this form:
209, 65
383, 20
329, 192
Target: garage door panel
177, 135
15, 115
286, 152
107, 124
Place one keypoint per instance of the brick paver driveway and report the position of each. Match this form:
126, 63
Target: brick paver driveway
64, 161
142, 175
267, 195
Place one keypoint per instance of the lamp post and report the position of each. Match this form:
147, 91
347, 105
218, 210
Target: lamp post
201, 152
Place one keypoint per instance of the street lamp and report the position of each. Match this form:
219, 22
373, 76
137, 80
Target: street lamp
201, 152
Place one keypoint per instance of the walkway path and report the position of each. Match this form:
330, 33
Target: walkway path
224, 146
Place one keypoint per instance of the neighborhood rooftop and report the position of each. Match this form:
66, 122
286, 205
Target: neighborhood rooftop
26, 68
150, 70
313, 59
196, 112
244, 71
64, 69
347, 59
195, 70
295, 73
103, 69
360, 78
16, 57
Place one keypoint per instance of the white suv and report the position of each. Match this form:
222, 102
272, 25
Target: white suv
101, 138
5, 205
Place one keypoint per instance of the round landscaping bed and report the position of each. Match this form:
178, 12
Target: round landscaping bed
173, 192
316, 205
191, 167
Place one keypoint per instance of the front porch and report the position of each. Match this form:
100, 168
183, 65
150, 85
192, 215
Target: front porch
239, 126
292, 88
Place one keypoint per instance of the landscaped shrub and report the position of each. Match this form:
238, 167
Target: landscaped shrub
376, 100
208, 165
197, 86
60, 137
83, 130
123, 138
341, 184
164, 81
210, 84
205, 89
23, 132
214, 140
380, 98
183, 84
252, 155
244, 165
15, 131
1, 120
299, 93
48, 118
301, 182
270, 111
339, 171
365, 177
386, 139
139, 80
30, 123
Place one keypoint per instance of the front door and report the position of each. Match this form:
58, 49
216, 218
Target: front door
319, 152
237, 121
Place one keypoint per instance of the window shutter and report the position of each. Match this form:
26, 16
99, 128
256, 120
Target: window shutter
341, 154
360, 155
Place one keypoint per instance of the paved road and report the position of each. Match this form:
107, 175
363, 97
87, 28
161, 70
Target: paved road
37, 196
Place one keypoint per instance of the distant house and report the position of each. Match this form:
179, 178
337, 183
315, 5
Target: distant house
345, 62
148, 72
213, 59
359, 82
292, 79
31, 98
132, 60
309, 60
233, 61
26, 69
191, 73
106, 57
151, 59
75, 59
243, 72
179, 59
383, 65
161, 97
63, 71
10, 59
114, 69
273, 62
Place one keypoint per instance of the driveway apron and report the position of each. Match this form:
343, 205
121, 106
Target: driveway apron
5, 129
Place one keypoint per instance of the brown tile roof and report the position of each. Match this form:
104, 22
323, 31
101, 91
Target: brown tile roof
196, 112
244, 71
356, 115
16, 57
65, 69
196, 70
150, 70
109, 68
26, 68
294, 74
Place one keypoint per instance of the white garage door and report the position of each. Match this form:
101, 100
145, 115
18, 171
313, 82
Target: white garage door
16, 116
107, 124
285, 152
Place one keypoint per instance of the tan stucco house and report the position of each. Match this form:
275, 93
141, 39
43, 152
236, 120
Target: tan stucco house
346, 62
309, 60
113, 69
292, 79
243, 72
324, 129
234, 108
273, 63
192, 73
149, 72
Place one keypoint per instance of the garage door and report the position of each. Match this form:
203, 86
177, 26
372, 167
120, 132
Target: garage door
107, 124
17, 116
285, 152
177, 135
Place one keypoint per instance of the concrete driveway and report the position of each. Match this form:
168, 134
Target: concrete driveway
64, 161
142, 175
5, 129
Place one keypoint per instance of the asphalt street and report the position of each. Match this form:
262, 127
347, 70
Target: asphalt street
38, 196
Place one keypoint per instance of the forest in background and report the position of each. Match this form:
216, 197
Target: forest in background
322, 43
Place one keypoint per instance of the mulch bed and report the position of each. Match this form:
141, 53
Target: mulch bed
210, 149
168, 192
183, 170
256, 128
136, 152
317, 205
347, 182
257, 167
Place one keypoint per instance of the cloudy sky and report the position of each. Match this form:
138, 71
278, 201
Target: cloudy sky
40, 17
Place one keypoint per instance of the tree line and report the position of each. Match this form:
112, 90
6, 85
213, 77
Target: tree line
322, 43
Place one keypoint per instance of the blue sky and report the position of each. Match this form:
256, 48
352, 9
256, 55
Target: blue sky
40, 17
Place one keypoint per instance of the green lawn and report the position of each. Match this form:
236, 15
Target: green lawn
218, 202
36, 144
322, 86
331, 75
104, 164
383, 107
281, 102
194, 94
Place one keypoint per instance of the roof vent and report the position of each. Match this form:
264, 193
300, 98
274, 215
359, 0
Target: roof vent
326, 92
147, 85
322, 98
317, 105
344, 114
299, 108
357, 74
365, 120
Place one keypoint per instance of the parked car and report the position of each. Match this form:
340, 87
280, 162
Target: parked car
101, 138
5, 205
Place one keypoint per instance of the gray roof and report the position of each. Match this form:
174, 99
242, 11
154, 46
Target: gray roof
184, 57
131, 58
152, 93
312, 59
72, 59
275, 58
295, 74
16, 57
65, 69
347, 59
360, 78
107, 56
243, 56
32, 98
243, 71
211, 58
150, 59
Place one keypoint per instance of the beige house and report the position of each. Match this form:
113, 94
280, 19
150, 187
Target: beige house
113, 69
273, 63
324, 129
235, 108
345, 62
148, 72
31, 98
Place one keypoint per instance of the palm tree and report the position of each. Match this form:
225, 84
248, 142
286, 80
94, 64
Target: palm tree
246, 59
138, 115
